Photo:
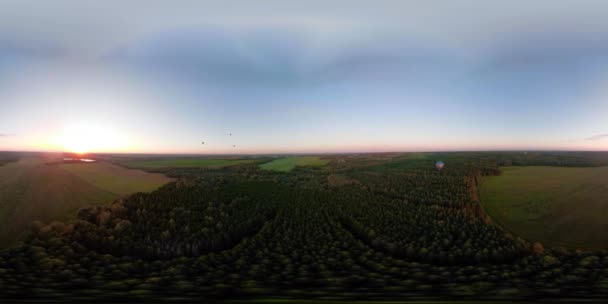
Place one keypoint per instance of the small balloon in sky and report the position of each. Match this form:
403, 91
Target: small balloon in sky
203, 143
439, 165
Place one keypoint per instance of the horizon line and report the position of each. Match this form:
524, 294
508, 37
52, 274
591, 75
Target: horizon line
306, 153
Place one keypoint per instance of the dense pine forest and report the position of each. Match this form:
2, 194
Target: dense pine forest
374, 226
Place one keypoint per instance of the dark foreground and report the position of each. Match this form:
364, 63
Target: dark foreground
364, 227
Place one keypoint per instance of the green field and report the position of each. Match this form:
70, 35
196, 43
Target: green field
554, 205
186, 163
116, 179
31, 190
289, 163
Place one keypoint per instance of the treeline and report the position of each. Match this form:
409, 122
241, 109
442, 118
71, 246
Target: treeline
431, 234
8, 157
173, 222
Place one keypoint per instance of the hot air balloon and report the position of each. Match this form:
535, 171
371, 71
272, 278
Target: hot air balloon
439, 165
203, 143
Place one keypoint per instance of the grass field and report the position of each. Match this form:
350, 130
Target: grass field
554, 205
116, 179
289, 163
186, 163
32, 190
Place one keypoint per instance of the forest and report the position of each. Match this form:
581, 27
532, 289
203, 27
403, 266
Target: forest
364, 226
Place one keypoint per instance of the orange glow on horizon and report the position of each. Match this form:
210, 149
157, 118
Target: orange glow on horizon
86, 138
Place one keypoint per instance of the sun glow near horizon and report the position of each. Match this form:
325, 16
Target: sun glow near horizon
86, 138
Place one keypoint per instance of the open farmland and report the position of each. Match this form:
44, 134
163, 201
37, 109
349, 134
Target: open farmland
116, 179
185, 163
554, 205
31, 190
289, 163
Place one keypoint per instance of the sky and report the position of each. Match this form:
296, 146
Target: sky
248, 77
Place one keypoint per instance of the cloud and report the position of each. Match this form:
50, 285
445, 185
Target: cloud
597, 137
279, 58
99, 26
6, 134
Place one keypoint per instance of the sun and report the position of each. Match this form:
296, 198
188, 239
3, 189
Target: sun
77, 148
87, 138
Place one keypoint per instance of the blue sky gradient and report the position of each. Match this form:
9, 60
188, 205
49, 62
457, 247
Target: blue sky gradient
309, 77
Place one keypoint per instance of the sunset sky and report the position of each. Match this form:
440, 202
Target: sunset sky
303, 76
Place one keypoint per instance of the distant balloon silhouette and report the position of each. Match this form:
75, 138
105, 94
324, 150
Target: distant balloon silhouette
203, 143
234, 146
439, 165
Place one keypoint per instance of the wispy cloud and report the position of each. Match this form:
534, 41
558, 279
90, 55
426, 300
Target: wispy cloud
597, 137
